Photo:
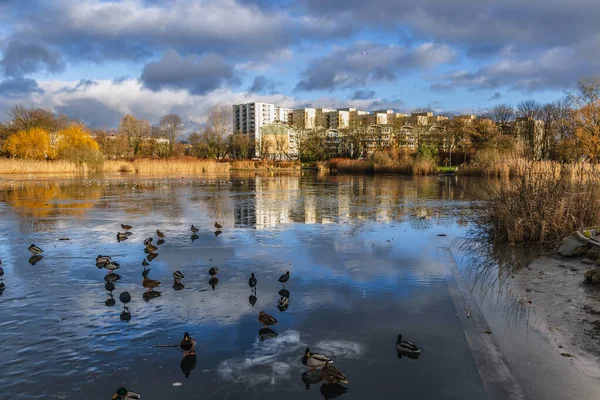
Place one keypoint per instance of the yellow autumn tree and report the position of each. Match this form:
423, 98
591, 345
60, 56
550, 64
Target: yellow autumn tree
75, 144
32, 144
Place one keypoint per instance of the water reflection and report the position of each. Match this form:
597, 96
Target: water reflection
311, 377
188, 363
35, 259
266, 334
213, 282
252, 299
147, 296
332, 390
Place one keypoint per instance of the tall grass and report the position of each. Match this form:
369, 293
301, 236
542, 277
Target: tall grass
187, 165
383, 164
543, 203
265, 165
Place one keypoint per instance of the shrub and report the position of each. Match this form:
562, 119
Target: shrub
32, 144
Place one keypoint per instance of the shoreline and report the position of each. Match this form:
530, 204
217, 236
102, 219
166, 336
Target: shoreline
566, 309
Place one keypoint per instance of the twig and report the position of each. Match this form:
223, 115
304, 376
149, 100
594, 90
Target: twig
175, 346
468, 311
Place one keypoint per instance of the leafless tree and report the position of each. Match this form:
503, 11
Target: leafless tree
502, 114
529, 109
171, 127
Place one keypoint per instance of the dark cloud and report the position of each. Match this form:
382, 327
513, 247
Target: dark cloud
138, 29
198, 74
262, 85
21, 58
483, 25
363, 94
18, 87
91, 112
496, 96
364, 62
82, 85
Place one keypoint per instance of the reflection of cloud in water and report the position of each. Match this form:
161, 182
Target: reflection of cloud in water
273, 360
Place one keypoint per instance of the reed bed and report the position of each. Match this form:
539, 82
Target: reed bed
543, 203
141, 166
265, 165
406, 166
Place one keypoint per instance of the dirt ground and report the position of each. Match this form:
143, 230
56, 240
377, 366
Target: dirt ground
568, 309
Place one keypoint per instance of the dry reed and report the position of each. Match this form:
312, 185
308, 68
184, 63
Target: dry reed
543, 203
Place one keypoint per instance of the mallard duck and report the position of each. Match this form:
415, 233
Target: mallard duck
145, 263
125, 227
252, 281
103, 259
266, 319
125, 297
406, 348
314, 360
177, 276
150, 283
112, 266
193, 229
283, 303
35, 259
333, 375
147, 241
151, 248
217, 225
124, 394
160, 234
213, 271
188, 344
112, 277
121, 236
285, 277
35, 250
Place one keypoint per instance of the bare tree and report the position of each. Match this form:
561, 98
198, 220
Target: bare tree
171, 127
216, 131
135, 130
529, 109
502, 114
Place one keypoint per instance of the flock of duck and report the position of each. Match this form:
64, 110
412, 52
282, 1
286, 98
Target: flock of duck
320, 365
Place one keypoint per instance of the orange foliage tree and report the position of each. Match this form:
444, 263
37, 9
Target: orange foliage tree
33, 144
75, 144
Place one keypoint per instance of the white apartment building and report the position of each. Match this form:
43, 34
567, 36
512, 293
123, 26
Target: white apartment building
249, 118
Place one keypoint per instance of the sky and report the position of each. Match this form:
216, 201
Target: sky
96, 60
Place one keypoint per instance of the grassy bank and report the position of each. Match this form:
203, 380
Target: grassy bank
543, 203
187, 165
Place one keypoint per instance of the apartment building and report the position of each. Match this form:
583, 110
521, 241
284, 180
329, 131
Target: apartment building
249, 118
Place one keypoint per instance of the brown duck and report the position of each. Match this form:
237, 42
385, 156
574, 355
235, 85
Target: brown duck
266, 319
150, 283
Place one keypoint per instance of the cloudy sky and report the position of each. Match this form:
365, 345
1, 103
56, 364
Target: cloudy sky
98, 59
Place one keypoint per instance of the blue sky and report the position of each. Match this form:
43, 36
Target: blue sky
98, 60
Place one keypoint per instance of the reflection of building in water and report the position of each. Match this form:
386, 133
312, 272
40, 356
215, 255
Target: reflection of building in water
310, 208
274, 200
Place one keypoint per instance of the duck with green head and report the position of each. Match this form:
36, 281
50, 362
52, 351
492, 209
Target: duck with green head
124, 394
188, 345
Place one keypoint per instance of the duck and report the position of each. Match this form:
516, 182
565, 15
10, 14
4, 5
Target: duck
213, 271
150, 283
124, 394
266, 319
406, 348
1, 272
177, 276
103, 259
285, 277
112, 266
122, 236
188, 344
252, 281
193, 229
35, 250
147, 241
145, 263
125, 227
160, 234
314, 360
283, 303
217, 225
333, 375
151, 248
